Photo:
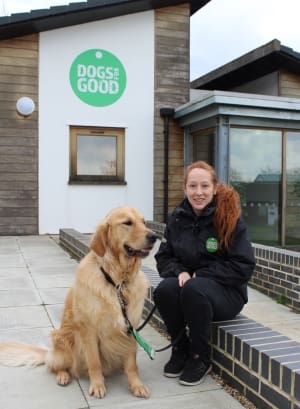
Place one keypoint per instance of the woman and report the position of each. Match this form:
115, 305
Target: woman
206, 262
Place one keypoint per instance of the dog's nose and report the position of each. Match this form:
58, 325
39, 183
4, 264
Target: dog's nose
152, 237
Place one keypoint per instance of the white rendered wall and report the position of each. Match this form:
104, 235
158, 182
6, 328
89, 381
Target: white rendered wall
131, 39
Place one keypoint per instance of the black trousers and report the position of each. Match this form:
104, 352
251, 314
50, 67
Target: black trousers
195, 306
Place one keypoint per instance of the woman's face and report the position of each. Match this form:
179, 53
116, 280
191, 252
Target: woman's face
199, 189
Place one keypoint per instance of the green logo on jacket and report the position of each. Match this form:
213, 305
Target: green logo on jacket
211, 244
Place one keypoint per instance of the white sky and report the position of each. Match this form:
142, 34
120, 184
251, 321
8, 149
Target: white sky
226, 29
221, 31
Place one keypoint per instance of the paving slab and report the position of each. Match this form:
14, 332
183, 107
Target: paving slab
23, 317
55, 312
12, 260
205, 400
273, 315
60, 279
36, 336
16, 281
19, 297
53, 295
27, 388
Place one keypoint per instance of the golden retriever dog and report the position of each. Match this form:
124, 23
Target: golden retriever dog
93, 338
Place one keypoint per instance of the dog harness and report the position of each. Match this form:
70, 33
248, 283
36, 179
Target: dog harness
123, 303
130, 330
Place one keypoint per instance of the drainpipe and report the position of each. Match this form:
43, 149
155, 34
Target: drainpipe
166, 113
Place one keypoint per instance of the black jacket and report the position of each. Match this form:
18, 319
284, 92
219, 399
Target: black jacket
191, 246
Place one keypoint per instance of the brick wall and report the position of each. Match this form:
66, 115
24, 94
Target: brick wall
260, 363
277, 274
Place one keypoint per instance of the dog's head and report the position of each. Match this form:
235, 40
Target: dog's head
123, 232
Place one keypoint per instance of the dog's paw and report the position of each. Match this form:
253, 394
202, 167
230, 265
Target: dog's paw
97, 389
63, 378
140, 391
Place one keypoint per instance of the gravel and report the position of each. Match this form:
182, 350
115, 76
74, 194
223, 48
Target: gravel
233, 392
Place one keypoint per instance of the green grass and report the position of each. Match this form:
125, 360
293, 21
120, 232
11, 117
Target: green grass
281, 299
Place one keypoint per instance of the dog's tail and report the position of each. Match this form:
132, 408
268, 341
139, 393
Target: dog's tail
19, 354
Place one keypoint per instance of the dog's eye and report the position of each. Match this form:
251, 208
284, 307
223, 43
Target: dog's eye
128, 223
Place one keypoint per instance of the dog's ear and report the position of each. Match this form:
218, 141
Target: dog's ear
99, 240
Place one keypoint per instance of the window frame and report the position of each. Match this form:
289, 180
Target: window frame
253, 128
283, 240
119, 133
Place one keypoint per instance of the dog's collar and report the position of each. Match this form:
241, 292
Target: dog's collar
121, 298
108, 277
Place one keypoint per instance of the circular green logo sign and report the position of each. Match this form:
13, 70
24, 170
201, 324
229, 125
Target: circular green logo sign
211, 245
97, 77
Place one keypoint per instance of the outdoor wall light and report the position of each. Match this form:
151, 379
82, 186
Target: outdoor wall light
25, 106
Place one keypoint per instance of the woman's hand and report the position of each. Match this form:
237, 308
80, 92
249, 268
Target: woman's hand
183, 278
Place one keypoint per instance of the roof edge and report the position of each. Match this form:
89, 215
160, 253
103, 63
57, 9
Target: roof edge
35, 21
238, 98
262, 51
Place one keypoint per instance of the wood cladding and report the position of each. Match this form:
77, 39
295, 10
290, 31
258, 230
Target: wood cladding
18, 137
172, 72
289, 84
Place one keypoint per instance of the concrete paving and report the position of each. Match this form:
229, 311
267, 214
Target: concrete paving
35, 274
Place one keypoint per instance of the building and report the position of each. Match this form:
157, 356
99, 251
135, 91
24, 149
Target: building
116, 119
244, 118
98, 74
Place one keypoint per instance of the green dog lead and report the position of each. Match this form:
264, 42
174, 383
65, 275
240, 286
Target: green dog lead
144, 344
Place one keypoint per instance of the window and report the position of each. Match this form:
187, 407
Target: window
97, 155
292, 189
265, 170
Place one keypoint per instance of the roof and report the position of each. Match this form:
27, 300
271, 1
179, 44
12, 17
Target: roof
276, 177
255, 64
78, 13
268, 177
266, 108
241, 99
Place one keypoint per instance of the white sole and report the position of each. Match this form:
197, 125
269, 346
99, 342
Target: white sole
172, 375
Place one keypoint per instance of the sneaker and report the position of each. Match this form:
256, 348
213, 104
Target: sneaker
194, 371
175, 365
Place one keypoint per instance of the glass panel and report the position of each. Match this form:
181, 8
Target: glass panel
255, 171
292, 233
203, 145
96, 155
